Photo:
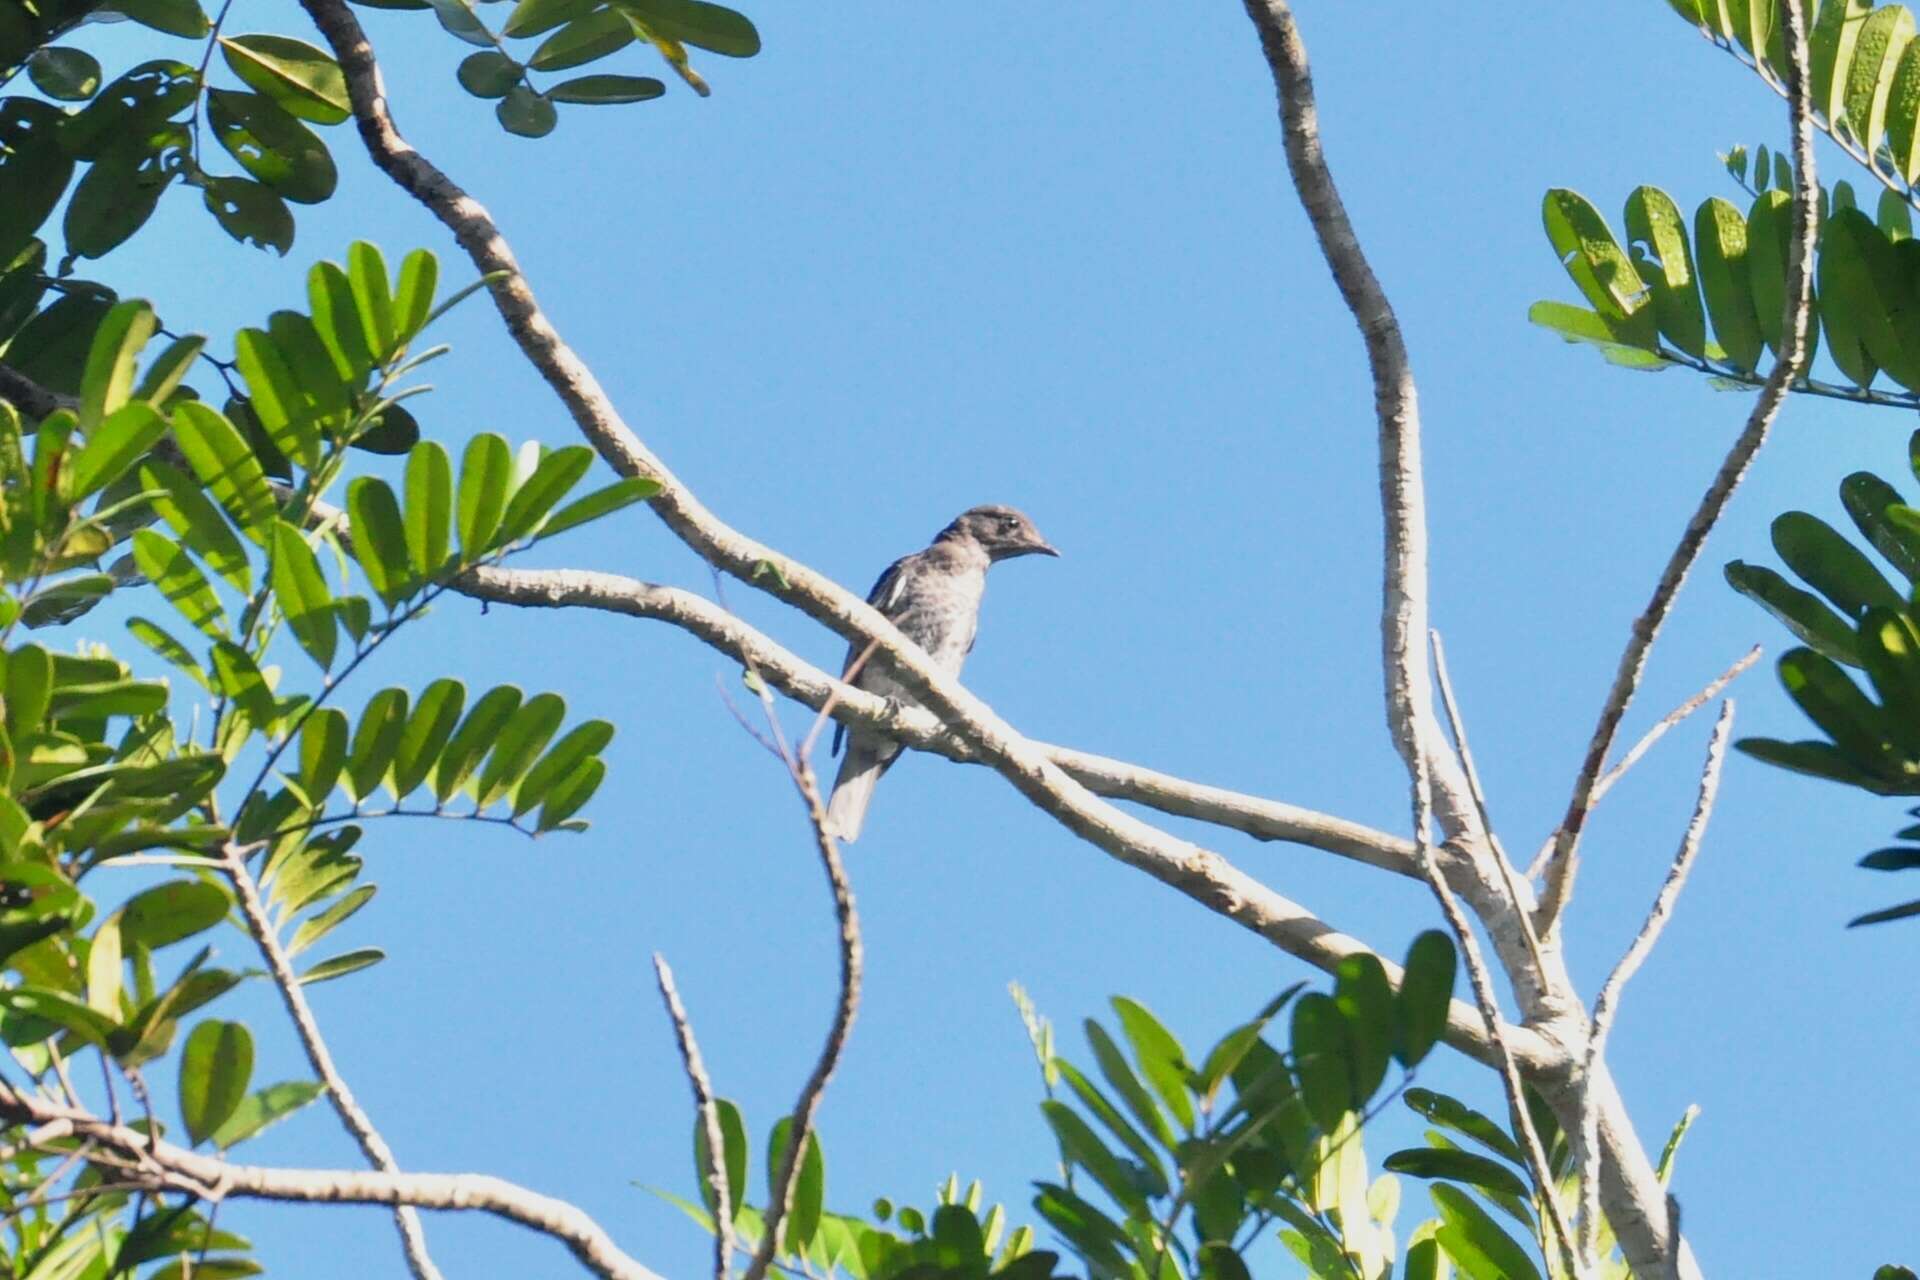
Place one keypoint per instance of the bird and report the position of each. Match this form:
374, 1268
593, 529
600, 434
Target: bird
933, 596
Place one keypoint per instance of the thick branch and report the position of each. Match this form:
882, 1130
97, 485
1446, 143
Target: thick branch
293, 995
1563, 866
167, 1167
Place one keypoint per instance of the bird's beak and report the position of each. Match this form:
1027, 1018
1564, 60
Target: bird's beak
1044, 548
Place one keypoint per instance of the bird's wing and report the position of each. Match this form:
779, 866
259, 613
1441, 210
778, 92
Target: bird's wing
885, 597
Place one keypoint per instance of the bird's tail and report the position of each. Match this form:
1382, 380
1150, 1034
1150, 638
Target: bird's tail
853, 788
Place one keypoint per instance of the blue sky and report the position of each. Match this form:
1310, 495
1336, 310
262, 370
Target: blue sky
912, 259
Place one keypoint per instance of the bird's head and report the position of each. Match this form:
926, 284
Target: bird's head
1001, 532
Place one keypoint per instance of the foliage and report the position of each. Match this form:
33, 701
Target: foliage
267, 781
1857, 621
1171, 1165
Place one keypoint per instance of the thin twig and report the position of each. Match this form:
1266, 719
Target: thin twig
1651, 736
1563, 865
1636, 954
372, 1145
1457, 726
1481, 980
716, 1170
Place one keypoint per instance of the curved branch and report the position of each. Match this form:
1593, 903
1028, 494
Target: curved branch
1563, 865
412, 1238
803, 682
166, 1167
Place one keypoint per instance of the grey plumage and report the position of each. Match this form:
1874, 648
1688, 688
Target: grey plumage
933, 596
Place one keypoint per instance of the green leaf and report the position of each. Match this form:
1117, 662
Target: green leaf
1653, 218
34, 170
531, 17
1815, 759
809, 1192
305, 81
1832, 701
380, 540
323, 752
526, 113
1080, 1145
1802, 612
375, 741
429, 515
1903, 114
175, 17
1890, 647
121, 440
392, 433
199, 526
240, 681
301, 590
558, 471
428, 731
458, 19
1598, 265
118, 194
59, 71
262, 1108
1092, 1233
1426, 996
570, 794
272, 145
486, 471
472, 739
1477, 1244
601, 502
1460, 1166
1322, 1054
1162, 1061
311, 931
1720, 240
157, 639
1118, 1074
132, 107
605, 89
215, 1067
64, 1012
1365, 998
488, 74
105, 966
585, 39
108, 380
250, 213
341, 965
180, 581
1867, 499
704, 26
225, 464
572, 752
367, 274
519, 744
168, 369
733, 1143
1831, 565
1130, 1137
278, 400
172, 912
413, 295
336, 318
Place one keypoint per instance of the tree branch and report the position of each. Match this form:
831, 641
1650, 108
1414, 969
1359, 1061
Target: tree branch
413, 1239
703, 1102
1563, 865
161, 1166
1636, 955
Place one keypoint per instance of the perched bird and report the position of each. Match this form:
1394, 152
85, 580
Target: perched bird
934, 597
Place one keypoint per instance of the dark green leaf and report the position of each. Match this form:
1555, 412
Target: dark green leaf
1802, 612
1114, 1067
606, 89
1080, 1145
1816, 759
34, 170
392, 433
570, 794
240, 681
341, 965
1365, 997
519, 744
323, 752
1450, 1113
1832, 701
428, 731
175, 17
272, 145
1720, 241
457, 18
585, 39
1461, 1166
526, 113
733, 1142
1104, 1111
803, 1220
531, 17
130, 108
118, 194
71, 75
1868, 499
169, 912
1092, 1233
1831, 565
704, 26
250, 213
581, 743
52, 348
1322, 1055
472, 739
1426, 996
1477, 1244
488, 74
215, 1067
